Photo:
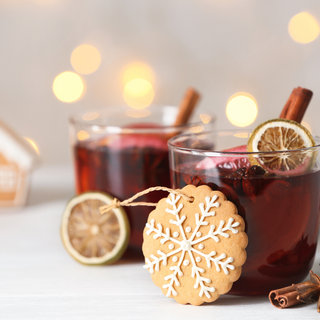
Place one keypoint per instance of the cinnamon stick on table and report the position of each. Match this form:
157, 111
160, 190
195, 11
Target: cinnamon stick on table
297, 104
284, 298
304, 292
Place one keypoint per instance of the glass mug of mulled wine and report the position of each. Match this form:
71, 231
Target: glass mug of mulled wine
281, 211
122, 152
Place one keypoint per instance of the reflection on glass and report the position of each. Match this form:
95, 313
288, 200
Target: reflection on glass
90, 116
33, 144
83, 135
205, 118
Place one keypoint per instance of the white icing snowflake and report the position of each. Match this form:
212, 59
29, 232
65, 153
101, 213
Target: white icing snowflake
190, 246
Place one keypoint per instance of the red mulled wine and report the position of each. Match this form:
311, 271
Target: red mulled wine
123, 151
122, 166
281, 215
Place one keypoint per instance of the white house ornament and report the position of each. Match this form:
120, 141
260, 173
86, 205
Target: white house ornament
17, 159
195, 250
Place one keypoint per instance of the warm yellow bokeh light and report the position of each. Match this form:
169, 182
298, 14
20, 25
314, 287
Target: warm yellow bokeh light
196, 129
137, 70
134, 113
68, 86
33, 144
45, 2
90, 116
205, 118
138, 93
243, 135
83, 135
85, 59
306, 125
242, 109
304, 28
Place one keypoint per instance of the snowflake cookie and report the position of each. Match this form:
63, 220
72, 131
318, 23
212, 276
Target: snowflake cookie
195, 251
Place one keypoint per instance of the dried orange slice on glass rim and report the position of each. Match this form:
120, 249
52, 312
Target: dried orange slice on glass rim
284, 135
90, 237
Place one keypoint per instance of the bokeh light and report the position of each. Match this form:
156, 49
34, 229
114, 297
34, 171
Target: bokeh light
85, 59
244, 135
242, 109
68, 86
138, 70
90, 116
45, 2
83, 135
138, 93
196, 129
205, 118
304, 28
33, 144
134, 113
306, 125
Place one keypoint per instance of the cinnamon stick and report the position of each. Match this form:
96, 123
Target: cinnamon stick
296, 105
284, 298
304, 292
186, 107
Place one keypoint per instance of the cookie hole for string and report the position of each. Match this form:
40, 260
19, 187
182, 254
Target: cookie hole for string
191, 199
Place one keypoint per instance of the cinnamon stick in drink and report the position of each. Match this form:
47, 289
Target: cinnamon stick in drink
185, 110
187, 106
297, 104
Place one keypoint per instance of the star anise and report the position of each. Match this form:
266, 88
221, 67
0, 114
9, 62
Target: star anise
309, 291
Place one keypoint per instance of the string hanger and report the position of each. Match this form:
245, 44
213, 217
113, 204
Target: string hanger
116, 203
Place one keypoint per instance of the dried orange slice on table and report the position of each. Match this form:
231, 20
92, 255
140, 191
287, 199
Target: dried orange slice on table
279, 136
90, 237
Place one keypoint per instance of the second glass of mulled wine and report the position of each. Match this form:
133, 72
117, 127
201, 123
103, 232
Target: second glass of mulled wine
281, 211
124, 151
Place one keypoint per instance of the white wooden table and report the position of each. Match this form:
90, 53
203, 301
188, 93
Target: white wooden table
39, 280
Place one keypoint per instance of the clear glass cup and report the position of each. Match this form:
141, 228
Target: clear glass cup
124, 151
281, 211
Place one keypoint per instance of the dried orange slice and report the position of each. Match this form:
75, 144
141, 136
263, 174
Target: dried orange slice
282, 135
92, 238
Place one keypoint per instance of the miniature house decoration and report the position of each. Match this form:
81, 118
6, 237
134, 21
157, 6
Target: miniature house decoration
17, 158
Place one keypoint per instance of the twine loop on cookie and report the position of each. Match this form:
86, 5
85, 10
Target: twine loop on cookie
116, 203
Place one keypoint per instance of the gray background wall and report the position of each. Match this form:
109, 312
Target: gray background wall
218, 46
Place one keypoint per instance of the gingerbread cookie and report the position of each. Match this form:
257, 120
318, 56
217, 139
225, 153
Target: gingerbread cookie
195, 251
